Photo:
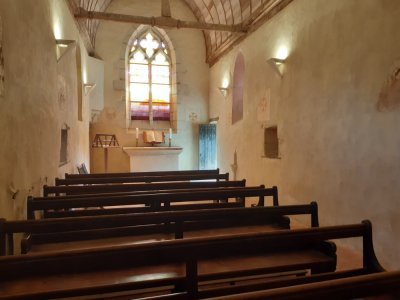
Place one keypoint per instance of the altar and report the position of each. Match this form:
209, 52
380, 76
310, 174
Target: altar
143, 159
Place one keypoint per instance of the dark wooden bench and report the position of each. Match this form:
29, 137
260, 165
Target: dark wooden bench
134, 174
120, 188
53, 207
133, 179
141, 192
72, 233
187, 267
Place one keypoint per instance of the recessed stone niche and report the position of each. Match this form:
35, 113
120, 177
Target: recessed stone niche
271, 142
64, 145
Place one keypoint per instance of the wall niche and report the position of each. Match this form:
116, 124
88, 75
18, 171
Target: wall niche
64, 145
271, 142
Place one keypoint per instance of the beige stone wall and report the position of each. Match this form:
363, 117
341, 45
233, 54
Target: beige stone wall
336, 146
192, 74
40, 97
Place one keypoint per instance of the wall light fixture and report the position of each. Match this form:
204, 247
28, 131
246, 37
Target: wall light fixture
62, 46
88, 87
224, 91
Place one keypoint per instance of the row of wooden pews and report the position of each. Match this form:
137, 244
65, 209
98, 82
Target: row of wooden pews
178, 235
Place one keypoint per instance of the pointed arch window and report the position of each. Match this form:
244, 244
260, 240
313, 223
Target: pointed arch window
149, 78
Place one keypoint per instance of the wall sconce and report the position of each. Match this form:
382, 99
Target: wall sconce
276, 63
224, 91
88, 87
63, 46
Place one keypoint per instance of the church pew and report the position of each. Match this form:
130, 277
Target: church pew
135, 179
72, 233
127, 188
141, 192
133, 174
183, 266
152, 202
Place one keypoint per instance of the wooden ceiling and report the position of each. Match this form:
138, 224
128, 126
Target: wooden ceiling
248, 14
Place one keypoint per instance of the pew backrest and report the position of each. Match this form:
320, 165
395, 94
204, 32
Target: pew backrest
133, 179
119, 188
136, 174
154, 201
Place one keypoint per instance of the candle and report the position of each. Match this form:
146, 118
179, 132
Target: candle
137, 133
170, 133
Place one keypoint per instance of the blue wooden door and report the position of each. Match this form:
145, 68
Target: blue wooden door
207, 146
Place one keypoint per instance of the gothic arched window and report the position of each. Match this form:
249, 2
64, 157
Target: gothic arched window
238, 89
149, 78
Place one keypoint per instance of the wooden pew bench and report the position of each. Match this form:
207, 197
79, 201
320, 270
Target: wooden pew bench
88, 232
127, 188
187, 268
135, 179
148, 202
135, 174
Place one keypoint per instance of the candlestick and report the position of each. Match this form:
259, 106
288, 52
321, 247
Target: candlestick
137, 133
170, 133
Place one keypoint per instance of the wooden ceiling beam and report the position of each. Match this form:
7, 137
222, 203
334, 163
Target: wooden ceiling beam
157, 21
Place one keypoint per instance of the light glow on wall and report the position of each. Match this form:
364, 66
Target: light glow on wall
282, 53
225, 82
57, 28
84, 76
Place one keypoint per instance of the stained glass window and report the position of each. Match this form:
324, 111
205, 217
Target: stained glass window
149, 78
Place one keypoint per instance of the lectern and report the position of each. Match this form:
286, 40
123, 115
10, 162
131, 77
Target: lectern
105, 141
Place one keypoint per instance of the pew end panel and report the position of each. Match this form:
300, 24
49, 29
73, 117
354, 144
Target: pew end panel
370, 260
30, 213
314, 214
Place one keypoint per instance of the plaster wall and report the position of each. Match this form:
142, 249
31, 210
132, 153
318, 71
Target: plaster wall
192, 75
40, 98
336, 147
